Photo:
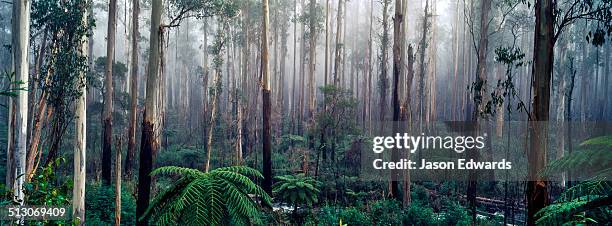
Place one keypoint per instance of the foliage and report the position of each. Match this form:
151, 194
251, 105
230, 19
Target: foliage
46, 189
419, 214
213, 198
331, 215
296, 190
181, 9
100, 205
587, 201
65, 23
319, 19
386, 212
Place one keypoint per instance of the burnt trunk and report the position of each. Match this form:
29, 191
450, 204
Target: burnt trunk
149, 146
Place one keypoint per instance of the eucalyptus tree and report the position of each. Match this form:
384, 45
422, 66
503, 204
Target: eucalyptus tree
151, 125
131, 149
266, 108
551, 19
80, 144
19, 104
107, 112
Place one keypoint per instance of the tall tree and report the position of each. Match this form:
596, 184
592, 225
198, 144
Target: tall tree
339, 44
216, 90
19, 107
312, 61
80, 144
133, 91
397, 64
550, 22
150, 140
537, 191
107, 114
479, 93
326, 41
265, 91
383, 82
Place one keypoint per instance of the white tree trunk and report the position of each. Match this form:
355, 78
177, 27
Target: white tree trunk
21, 28
80, 144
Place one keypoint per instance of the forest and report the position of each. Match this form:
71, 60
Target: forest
271, 112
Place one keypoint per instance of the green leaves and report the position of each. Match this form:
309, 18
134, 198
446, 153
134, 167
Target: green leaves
297, 190
592, 197
199, 198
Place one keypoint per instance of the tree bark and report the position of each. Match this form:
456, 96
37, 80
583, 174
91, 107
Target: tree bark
339, 44
543, 58
267, 140
107, 114
397, 64
19, 118
312, 62
150, 140
80, 144
133, 92
118, 183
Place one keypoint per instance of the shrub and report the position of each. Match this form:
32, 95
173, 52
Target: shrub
386, 212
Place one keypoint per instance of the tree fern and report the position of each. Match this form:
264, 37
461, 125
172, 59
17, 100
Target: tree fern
587, 201
197, 198
297, 190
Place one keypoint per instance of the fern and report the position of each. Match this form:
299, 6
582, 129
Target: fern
591, 197
297, 190
198, 198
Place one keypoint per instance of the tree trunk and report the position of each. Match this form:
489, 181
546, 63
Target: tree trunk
368, 108
543, 56
293, 88
118, 183
479, 96
422, 47
267, 140
327, 41
133, 92
19, 118
150, 140
80, 144
107, 114
383, 62
397, 64
339, 44
312, 63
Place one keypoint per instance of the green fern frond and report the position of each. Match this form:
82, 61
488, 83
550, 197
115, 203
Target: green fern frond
592, 159
296, 190
603, 141
200, 198
591, 197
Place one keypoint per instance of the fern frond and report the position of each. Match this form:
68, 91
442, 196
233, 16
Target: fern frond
200, 198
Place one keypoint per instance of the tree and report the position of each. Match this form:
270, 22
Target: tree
80, 144
133, 91
383, 80
217, 51
150, 140
265, 91
218, 197
118, 182
311, 58
339, 44
107, 114
550, 21
19, 103
397, 64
